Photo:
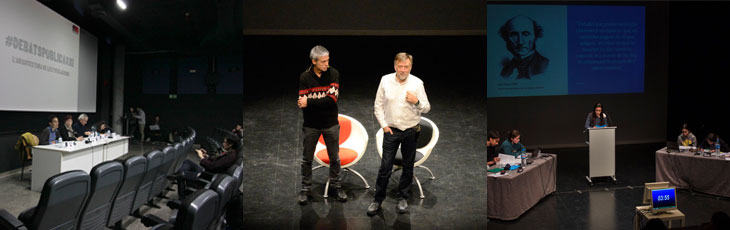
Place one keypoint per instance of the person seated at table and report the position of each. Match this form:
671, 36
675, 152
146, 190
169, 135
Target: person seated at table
50, 134
597, 118
67, 132
686, 138
82, 126
103, 128
493, 149
512, 146
709, 143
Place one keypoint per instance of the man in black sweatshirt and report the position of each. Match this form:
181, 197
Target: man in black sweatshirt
318, 92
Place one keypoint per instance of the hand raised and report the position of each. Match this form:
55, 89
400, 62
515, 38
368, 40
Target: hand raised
411, 98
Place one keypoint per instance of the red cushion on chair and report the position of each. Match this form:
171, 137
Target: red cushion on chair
345, 130
346, 156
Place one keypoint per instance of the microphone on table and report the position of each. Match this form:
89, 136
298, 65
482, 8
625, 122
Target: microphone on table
505, 169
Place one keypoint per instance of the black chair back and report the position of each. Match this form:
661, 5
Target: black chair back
106, 179
199, 211
225, 186
179, 157
154, 160
236, 171
161, 178
134, 171
61, 201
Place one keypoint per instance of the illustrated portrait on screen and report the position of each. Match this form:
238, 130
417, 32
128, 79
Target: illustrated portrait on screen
520, 34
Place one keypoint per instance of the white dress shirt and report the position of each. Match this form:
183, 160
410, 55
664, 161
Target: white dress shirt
391, 107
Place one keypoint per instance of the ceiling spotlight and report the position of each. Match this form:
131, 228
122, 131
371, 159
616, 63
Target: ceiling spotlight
121, 4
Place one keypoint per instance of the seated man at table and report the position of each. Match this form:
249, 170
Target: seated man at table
81, 127
709, 143
512, 146
50, 134
493, 148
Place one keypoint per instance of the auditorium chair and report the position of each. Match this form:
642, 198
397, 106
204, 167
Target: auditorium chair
9, 222
353, 142
427, 139
223, 184
154, 160
106, 179
62, 199
134, 171
179, 157
160, 183
197, 212
235, 171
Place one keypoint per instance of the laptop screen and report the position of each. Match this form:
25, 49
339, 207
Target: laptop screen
663, 198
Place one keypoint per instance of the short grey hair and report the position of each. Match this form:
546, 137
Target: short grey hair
318, 51
83, 116
403, 56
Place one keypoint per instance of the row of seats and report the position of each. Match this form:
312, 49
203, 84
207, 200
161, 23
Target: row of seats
111, 191
205, 208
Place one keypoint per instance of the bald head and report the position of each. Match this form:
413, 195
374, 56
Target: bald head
519, 34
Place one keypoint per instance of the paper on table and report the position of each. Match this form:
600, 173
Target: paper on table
508, 159
498, 174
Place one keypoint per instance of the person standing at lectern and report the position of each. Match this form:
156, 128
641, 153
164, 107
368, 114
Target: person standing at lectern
597, 118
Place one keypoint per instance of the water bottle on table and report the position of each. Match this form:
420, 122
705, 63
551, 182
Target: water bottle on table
523, 157
717, 146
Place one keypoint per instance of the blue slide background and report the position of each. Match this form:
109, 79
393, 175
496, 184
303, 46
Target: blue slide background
607, 77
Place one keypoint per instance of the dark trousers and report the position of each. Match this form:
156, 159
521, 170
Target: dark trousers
190, 170
331, 138
407, 142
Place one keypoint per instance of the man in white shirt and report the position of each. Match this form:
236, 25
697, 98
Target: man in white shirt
398, 105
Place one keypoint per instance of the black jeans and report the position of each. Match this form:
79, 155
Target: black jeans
190, 170
331, 138
407, 142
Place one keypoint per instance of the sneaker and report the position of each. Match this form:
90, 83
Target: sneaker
303, 197
402, 206
341, 195
373, 208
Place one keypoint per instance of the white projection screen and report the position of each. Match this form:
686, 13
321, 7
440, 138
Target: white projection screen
47, 63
